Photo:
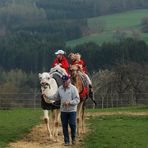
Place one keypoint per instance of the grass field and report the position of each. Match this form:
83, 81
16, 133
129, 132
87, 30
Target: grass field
14, 124
127, 21
117, 132
140, 108
106, 132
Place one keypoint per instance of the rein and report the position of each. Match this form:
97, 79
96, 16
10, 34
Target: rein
45, 85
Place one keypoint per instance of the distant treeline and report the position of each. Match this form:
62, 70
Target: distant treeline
109, 54
35, 54
87, 8
32, 30
65, 18
29, 52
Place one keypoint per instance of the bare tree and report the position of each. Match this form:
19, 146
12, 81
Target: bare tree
144, 23
103, 85
119, 34
123, 85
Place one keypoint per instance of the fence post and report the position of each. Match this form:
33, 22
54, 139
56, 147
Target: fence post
34, 99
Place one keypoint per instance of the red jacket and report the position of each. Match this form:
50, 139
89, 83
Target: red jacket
64, 63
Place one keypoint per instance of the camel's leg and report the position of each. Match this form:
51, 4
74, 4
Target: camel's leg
79, 118
83, 119
46, 119
56, 123
53, 122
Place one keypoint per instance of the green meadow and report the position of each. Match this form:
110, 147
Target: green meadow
128, 21
105, 131
15, 123
117, 132
137, 109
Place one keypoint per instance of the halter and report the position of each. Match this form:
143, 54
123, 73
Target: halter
45, 85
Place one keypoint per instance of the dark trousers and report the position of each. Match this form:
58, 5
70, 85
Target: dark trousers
68, 118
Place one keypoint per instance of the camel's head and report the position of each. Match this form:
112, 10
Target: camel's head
74, 70
48, 84
44, 78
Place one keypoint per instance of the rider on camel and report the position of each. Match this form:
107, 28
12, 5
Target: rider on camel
61, 60
76, 60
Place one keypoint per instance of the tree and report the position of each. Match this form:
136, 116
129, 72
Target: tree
144, 24
119, 35
103, 87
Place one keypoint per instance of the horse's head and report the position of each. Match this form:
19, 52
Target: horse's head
48, 85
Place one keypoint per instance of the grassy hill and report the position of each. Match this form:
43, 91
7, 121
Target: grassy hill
127, 22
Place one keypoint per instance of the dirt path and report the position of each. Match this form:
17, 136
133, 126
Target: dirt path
116, 113
38, 137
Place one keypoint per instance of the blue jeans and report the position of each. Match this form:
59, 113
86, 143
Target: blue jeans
68, 118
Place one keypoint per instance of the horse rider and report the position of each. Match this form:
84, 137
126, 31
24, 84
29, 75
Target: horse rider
69, 97
77, 60
61, 60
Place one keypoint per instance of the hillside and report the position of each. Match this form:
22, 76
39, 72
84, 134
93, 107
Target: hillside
31, 30
113, 26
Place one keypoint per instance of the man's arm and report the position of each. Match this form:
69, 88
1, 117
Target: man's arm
75, 97
55, 97
55, 62
65, 64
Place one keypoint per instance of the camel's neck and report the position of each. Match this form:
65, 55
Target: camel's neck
77, 82
73, 80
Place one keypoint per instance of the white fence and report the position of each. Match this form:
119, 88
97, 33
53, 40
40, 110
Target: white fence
18, 100
33, 100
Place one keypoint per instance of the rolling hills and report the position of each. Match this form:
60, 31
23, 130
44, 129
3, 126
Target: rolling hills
125, 23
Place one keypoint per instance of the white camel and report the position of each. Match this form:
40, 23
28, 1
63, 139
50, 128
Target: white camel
49, 86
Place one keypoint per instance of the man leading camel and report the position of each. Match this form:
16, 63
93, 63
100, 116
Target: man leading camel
69, 97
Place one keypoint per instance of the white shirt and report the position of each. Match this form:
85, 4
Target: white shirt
67, 94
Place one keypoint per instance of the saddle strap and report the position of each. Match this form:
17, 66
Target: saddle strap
84, 93
58, 79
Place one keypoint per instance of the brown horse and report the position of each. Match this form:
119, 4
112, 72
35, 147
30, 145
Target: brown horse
79, 81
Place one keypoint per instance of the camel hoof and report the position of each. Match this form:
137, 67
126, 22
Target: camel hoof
82, 132
55, 140
80, 140
50, 138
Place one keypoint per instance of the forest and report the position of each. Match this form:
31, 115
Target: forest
32, 30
